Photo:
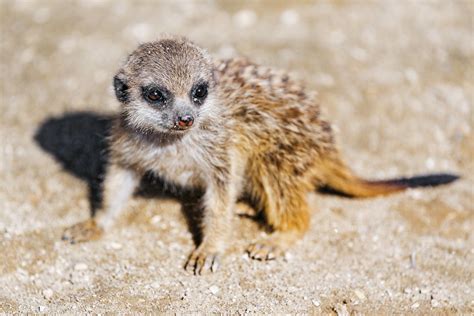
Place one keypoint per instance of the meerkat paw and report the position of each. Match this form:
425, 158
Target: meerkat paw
83, 231
274, 246
264, 250
203, 260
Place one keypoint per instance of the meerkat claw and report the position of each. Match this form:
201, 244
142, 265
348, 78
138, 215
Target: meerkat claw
262, 252
200, 262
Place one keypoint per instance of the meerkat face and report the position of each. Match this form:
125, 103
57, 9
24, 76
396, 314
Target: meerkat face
165, 86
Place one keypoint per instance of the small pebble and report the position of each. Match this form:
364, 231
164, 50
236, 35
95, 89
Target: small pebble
48, 293
115, 245
288, 257
214, 289
41, 308
316, 303
80, 266
415, 306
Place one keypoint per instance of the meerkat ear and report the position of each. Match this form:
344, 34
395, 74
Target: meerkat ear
121, 87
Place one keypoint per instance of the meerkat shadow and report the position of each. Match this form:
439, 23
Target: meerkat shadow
78, 141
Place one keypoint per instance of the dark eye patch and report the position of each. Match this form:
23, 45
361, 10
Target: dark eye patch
156, 95
121, 89
199, 92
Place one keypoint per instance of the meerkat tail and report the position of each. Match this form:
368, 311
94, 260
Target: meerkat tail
340, 179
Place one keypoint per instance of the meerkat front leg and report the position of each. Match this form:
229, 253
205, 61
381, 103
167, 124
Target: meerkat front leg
119, 185
218, 204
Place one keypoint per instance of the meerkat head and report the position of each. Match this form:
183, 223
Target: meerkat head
165, 86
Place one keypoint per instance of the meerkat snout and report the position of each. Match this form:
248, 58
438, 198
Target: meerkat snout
184, 114
185, 121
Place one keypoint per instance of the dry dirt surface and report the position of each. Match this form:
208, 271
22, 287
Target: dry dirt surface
396, 77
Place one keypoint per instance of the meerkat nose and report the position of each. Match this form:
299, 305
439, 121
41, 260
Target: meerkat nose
185, 120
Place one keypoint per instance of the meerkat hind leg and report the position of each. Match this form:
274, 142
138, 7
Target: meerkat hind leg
289, 222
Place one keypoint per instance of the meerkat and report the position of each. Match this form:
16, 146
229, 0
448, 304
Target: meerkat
228, 127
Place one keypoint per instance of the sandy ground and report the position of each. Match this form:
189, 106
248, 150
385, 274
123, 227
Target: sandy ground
396, 77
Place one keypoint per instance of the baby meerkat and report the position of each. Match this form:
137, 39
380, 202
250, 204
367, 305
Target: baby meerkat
229, 128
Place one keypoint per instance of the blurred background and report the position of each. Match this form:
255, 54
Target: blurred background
395, 77
377, 61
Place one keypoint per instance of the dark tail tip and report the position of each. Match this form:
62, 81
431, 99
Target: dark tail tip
424, 180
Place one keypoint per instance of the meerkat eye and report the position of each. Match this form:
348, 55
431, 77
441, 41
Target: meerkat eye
154, 95
199, 93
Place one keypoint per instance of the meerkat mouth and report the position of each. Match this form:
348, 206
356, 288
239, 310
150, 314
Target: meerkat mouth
180, 129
